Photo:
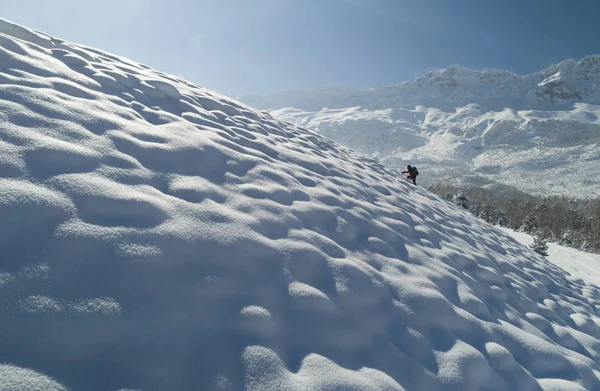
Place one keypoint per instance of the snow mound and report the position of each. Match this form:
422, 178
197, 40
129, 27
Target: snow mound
159, 236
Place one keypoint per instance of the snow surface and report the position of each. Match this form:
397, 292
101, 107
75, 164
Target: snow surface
156, 235
581, 265
539, 133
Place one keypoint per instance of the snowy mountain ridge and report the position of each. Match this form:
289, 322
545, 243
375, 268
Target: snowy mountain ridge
560, 85
567, 82
155, 235
538, 133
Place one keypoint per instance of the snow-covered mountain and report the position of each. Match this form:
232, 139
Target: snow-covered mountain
539, 133
493, 89
155, 235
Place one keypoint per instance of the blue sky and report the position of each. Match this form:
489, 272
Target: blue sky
258, 46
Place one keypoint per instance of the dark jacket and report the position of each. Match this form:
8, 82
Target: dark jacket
411, 173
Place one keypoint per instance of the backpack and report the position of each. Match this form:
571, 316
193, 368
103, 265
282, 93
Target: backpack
414, 170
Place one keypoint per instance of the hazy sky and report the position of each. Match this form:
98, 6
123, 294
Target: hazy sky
257, 46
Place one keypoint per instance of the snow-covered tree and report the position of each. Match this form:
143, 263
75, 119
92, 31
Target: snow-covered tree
530, 224
448, 197
502, 219
540, 245
570, 239
489, 214
461, 200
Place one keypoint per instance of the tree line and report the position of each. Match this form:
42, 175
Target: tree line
570, 222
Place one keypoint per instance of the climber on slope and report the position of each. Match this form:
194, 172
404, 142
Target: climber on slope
412, 173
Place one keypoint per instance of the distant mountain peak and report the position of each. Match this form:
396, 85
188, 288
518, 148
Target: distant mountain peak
560, 85
519, 130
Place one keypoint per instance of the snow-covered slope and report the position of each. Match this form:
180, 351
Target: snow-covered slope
539, 133
158, 236
581, 265
538, 152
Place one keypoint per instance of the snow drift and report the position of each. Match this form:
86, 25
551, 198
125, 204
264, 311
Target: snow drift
158, 236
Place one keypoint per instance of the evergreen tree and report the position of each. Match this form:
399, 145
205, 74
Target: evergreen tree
568, 238
530, 224
447, 197
540, 245
461, 200
489, 214
502, 219
595, 224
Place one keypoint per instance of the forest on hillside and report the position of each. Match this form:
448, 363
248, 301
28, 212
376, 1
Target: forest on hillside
570, 222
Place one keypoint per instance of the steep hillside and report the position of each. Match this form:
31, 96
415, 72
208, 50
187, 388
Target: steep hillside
580, 264
158, 236
539, 133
